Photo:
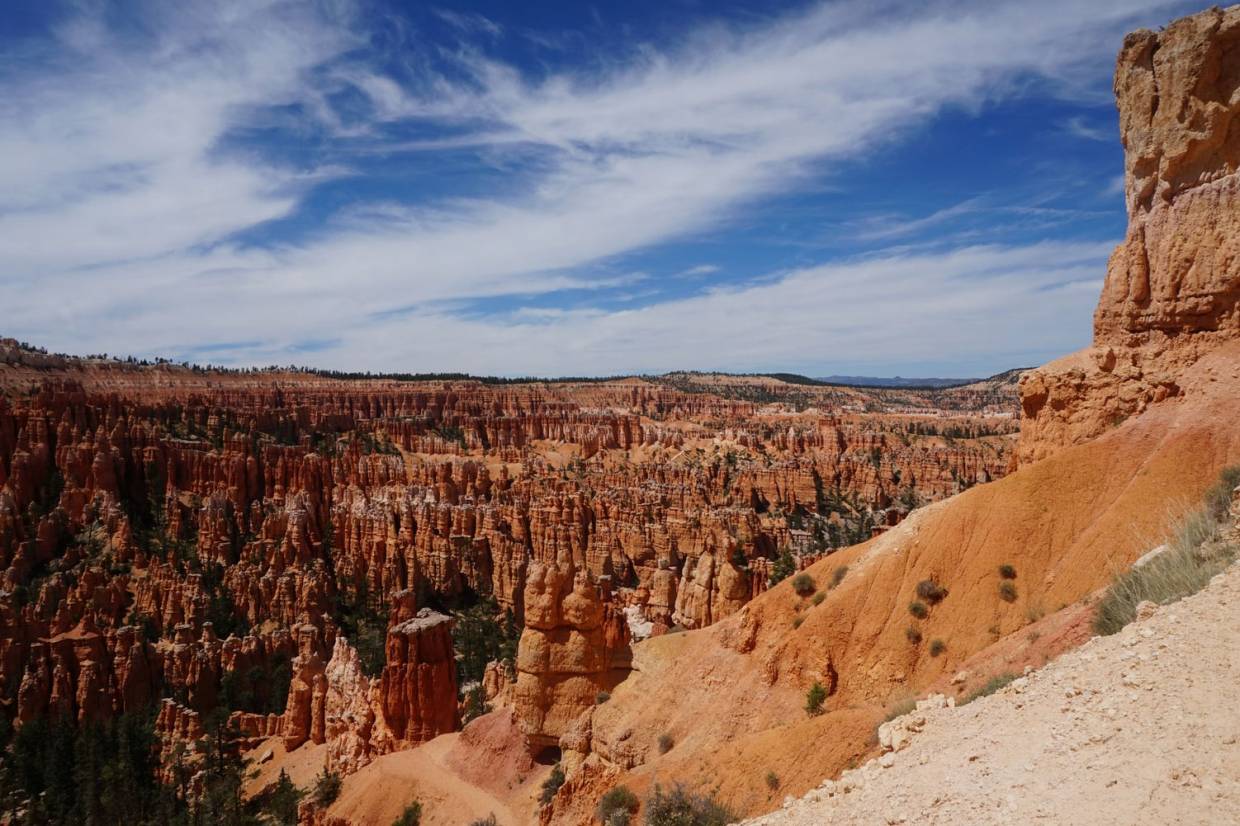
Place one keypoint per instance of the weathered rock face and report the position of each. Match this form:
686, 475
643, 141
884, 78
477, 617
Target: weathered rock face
1172, 290
574, 646
418, 686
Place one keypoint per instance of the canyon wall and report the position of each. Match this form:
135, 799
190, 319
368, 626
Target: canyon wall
172, 532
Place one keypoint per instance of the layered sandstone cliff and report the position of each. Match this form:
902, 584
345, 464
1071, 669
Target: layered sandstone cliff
1172, 286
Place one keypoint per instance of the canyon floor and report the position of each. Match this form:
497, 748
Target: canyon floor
1139, 727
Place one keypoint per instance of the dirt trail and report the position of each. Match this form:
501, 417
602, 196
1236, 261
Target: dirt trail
376, 795
1140, 727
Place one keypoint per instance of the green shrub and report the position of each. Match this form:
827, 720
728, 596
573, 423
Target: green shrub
489, 820
772, 781
326, 788
918, 609
931, 591
551, 785
616, 807
814, 698
665, 743
1007, 591
804, 584
912, 634
282, 801
1170, 576
680, 808
992, 685
412, 816
1193, 556
602, 697
819, 597
837, 576
1218, 498
937, 647
785, 565
1007, 572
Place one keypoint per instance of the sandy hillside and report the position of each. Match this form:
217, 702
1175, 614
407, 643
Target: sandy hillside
1139, 727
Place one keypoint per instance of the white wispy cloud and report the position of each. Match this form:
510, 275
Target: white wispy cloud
122, 186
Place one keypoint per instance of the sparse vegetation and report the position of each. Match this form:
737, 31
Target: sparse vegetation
900, 707
617, 806
551, 785
282, 801
837, 576
326, 788
1218, 497
796, 621
1007, 572
1195, 554
665, 743
772, 781
681, 808
785, 565
918, 609
930, 591
1007, 591
937, 647
804, 584
990, 687
819, 597
412, 816
913, 634
489, 820
814, 698
602, 697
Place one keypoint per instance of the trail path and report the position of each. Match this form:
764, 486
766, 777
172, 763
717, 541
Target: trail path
1140, 727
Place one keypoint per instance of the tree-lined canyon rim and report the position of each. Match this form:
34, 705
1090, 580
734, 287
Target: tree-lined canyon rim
593, 487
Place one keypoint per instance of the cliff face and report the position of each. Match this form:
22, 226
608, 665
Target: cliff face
1172, 288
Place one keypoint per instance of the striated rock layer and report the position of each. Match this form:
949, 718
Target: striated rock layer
1172, 288
200, 535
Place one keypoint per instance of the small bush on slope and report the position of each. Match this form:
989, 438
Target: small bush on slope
615, 807
814, 699
551, 785
411, 816
1193, 557
804, 585
326, 788
931, 591
680, 808
992, 685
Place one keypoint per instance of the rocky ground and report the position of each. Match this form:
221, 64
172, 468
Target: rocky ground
1139, 727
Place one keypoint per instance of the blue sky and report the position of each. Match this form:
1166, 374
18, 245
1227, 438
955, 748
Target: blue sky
882, 188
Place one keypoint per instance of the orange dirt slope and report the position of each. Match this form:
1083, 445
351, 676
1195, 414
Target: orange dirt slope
731, 695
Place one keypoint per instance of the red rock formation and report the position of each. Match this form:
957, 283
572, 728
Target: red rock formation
418, 685
574, 646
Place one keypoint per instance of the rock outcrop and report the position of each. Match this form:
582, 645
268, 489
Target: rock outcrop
573, 650
1172, 289
418, 686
